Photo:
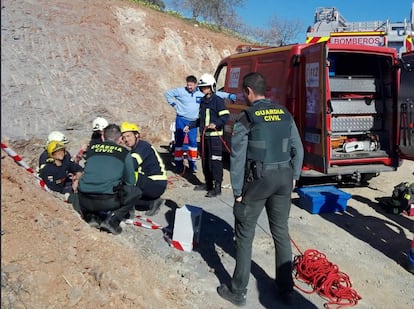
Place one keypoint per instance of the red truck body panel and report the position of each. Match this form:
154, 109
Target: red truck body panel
344, 99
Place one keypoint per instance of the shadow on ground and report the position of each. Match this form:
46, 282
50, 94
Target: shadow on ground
384, 235
216, 243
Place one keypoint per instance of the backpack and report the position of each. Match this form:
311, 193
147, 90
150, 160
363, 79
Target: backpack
402, 197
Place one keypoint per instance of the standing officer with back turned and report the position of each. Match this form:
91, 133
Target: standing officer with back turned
266, 160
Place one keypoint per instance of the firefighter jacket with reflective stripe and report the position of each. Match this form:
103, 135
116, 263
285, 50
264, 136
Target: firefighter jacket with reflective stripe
265, 132
212, 110
108, 165
148, 162
57, 177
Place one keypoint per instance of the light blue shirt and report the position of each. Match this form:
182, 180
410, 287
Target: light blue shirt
187, 104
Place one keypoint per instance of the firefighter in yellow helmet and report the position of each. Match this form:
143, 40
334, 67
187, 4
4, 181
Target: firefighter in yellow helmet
151, 175
54, 136
59, 174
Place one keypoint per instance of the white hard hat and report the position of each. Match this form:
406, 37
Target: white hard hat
57, 136
99, 124
207, 80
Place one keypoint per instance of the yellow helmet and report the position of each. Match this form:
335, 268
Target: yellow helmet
54, 146
129, 127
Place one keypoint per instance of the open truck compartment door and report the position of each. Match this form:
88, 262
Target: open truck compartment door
361, 114
313, 95
406, 107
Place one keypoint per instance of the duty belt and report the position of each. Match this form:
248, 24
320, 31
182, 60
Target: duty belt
277, 165
97, 196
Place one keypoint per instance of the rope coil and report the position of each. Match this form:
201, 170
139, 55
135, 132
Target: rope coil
314, 269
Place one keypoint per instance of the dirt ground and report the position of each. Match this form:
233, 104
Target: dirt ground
63, 64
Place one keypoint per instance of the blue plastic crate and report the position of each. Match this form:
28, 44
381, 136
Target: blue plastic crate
323, 199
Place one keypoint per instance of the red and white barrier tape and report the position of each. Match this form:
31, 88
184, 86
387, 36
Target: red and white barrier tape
142, 222
18, 159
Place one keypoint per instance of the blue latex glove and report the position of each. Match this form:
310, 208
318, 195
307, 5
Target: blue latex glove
232, 97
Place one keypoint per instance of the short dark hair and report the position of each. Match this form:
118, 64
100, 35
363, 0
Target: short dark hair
112, 132
191, 79
256, 82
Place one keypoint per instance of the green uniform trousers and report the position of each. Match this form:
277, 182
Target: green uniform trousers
272, 192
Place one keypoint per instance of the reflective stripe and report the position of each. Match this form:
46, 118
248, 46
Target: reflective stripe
137, 157
317, 39
408, 43
158, 177
223, 112
139, 161
192, 154
178, 153
214, 133
207, 119
161, 162
217, 158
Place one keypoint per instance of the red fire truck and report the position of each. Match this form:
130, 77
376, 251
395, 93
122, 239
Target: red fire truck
344, 99
331, 26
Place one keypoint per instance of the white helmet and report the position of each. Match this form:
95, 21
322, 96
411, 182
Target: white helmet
207, 80
57, 136
99, 124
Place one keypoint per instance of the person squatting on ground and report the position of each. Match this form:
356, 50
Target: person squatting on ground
98, 125
54, 136
265, 143
107, 189
186, 101
59, 173
150, 172
212, 117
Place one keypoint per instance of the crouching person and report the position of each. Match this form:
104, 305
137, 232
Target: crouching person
151, 175
103, 201
59, 173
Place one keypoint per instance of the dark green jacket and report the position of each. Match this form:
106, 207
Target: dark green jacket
108, 165
280, 140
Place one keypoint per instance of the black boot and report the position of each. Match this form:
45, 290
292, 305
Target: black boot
216, 190
205, 187
93, 220
111, 225
154, 207
211, 193
202, 187
217, 187
238, 299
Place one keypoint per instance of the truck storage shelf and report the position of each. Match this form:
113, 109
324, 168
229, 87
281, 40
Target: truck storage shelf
355, 123
356, 106
353, 133
340, 155
352, 84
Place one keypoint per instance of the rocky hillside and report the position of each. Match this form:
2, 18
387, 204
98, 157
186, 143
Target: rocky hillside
66, 62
